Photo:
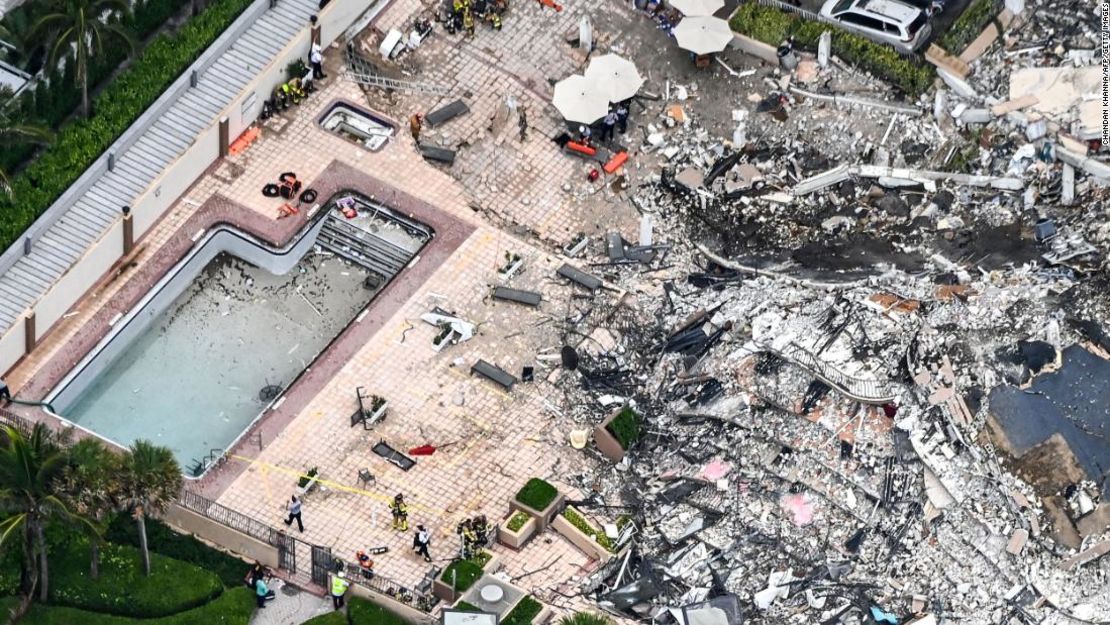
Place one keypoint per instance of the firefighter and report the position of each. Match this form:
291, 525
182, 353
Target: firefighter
468, 21
494, 20
470, 539
464, 532
481, 531
400, 513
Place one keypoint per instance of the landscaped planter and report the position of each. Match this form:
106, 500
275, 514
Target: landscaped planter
608, 438
444, 337
456, 579
582, 534
303, 485
517, 538
539, 499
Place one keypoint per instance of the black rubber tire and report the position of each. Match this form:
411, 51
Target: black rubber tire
286, 176
270, 190
308, 196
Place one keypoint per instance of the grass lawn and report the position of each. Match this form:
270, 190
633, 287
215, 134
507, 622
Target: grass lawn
122, 589
331, 618
163, 540
363, 612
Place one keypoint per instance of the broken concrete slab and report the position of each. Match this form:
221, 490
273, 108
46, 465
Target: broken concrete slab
446, 113
1017, 541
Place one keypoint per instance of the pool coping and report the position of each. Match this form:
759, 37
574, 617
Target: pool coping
450, 232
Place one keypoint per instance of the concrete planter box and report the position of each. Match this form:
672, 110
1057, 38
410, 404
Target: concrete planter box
543, 517
303, 490
606, 443
543, 617
516, 540
585, 543
444, 591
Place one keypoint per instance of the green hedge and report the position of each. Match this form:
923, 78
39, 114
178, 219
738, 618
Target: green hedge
536, 494
600, 537
466, 573
524, 611
771, 25
969, 25
234, 607
625, 427
463, 606
517, 521
55, 99
163, 540
331, 618
363, 612
122, 589
120, 104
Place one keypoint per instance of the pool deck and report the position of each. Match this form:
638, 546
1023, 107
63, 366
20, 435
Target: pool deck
502, 196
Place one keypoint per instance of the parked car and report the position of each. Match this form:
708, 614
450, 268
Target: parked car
894, 22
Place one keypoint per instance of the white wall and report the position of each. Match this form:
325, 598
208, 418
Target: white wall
165, 190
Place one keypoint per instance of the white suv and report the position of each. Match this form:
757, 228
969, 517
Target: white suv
901, 25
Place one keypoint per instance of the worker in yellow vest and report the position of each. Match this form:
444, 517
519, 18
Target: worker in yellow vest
339, 586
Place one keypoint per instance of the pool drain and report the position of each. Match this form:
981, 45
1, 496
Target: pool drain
269, 392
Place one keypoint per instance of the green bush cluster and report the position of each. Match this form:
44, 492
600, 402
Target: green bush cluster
121, 587
770, 25
363, 612
537, 494
331, 618
578, 521
169, 543
76, 146
465, 573
234, 607
625, 427
55, 99
517, 521
524, 611
969, 25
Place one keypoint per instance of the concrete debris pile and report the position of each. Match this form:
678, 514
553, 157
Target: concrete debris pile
867, 375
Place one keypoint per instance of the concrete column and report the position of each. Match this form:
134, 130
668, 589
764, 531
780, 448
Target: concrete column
29, 334
128, 231
225, 139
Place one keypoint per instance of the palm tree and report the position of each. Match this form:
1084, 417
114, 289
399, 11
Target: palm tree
79, 25
89, 481
11, 132
150, 481
585, 618
29, 467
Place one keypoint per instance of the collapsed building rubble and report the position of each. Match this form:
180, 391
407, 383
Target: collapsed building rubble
845, 369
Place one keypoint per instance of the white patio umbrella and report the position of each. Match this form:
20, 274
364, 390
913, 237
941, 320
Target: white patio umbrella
580, 100
697, 7
615, 76
702, 35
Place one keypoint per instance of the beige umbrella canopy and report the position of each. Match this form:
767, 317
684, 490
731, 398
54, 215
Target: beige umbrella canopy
614, 76
579, 100
702, 35
697, 7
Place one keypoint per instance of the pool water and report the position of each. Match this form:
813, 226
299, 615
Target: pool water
222, 351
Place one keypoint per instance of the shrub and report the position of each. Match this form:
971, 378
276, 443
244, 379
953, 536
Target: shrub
463, 606
331, 618
122, 589
578, 521
306, 478
465, 573
585, 618
517, 521
537, 494
969, 25
526, 610
234, 607
363, 612
117, 106
185, 548
625, 427
770, 25
481, 558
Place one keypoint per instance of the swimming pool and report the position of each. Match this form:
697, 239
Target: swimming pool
234, 324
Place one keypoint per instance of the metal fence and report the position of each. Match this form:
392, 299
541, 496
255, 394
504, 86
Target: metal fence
227, 517
423, 601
